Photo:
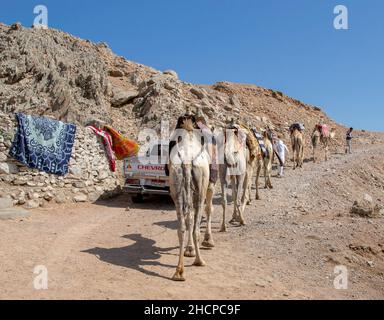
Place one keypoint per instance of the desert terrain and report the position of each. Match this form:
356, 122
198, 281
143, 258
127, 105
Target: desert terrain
294, 238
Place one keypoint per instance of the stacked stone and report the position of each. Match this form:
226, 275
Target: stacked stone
88, 180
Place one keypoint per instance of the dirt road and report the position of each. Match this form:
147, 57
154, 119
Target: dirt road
294, 238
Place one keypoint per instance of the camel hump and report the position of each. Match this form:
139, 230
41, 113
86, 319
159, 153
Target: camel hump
251, 141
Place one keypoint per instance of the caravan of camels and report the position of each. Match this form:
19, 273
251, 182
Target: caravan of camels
201, 155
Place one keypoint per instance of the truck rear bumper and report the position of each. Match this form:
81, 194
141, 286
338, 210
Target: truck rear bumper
144, 190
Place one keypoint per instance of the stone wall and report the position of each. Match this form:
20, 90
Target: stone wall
88, 180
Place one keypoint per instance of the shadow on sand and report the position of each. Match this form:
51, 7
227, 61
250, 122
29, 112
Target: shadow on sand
153, 202
135, 256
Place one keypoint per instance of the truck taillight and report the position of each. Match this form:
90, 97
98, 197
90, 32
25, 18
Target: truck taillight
132, 181
157, 181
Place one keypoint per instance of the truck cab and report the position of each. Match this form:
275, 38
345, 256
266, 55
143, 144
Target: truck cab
145, 173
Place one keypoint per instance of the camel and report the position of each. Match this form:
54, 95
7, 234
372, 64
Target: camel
190, 189
238, 167
266, 163
318, 138
297, 141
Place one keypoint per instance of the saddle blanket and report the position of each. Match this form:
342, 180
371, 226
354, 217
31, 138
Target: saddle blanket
260, 141
107, 141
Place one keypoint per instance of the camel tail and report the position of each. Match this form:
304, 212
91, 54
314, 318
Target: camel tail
187, 197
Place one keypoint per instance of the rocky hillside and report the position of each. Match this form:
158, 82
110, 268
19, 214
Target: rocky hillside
49, 72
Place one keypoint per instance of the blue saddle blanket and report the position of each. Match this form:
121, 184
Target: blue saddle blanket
43, 144
260, 141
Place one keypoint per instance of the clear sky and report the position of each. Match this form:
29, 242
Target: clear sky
290, 46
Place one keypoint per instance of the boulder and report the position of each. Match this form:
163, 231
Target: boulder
79, 184
198, 93
367, 208
16, 26
116, 73
122, 97
94, 196
3, 157
80, 198
48, 196
171, 73
8, 168
32, 204
60, 198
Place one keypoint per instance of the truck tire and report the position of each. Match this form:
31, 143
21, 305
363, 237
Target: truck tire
137, 198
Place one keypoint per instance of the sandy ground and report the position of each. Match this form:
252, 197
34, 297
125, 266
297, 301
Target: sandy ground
294, 238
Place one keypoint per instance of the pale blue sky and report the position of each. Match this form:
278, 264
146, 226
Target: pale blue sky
289, 46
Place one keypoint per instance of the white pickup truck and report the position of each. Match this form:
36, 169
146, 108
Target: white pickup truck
148, 176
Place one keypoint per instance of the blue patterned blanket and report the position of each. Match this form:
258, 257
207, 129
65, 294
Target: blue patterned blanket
43, 144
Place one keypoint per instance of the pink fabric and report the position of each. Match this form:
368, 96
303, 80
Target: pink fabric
107, 140
324, 130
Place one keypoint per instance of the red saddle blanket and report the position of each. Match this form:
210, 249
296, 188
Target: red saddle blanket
323, 128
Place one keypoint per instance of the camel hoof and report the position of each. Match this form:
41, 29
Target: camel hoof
271, 187
233, 220
199, 263
208, 242
257, 197
249, 202
223, 229
178, 276
189, 252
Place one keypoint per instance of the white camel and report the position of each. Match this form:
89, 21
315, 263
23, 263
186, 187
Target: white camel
190, 190
238, 167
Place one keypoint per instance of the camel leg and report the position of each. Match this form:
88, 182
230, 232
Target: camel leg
189, 250
244, 199
179, 274
199, 205
294, 157
208, 239
249, 186
223, 183
234, 180
301, 156
240, 198
267, 173
257, 180
249, 198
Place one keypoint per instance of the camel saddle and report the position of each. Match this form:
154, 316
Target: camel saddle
297, 126
323, 129
260, 141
